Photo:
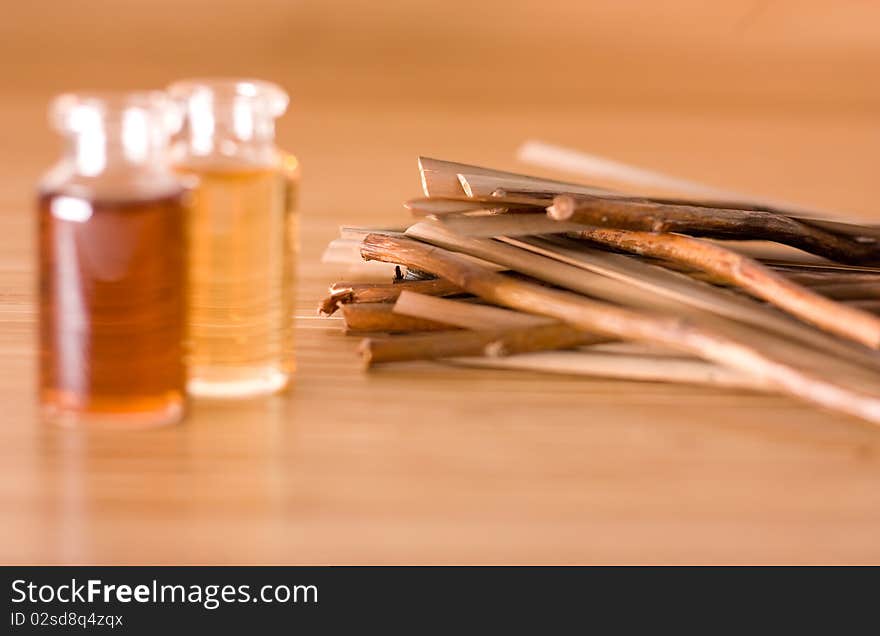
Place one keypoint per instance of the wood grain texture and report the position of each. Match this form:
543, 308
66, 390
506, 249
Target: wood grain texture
425, 462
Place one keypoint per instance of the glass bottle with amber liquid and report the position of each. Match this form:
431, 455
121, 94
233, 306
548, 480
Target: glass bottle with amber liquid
112, 276
242, 237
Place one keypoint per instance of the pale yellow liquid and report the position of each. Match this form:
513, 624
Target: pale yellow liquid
242, 243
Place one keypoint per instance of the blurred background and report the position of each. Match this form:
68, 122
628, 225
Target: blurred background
376, 83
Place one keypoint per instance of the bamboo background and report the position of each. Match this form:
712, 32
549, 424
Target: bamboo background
418, 463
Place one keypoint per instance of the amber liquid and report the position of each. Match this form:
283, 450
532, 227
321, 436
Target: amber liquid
241, 259
112, 309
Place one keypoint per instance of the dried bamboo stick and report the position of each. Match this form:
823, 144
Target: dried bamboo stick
466, 315
859, 290
440, 206
711, 223
866, 305
760, 281
799, 266
805, 277
615, 322
523, 223
341, 293
476, 185
347, 252
635, 348
506, 225
479, 185
355, 232
482, 187
493, 343
640, 368
805, 274
812, 279
380, 318
769, 250
820, 282
440, 178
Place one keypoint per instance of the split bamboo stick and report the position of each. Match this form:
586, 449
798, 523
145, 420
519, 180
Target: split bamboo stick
816, 279
465, 315
477, 185
493, 343
341, 293
837, 268
859, 290
482, 185
380, 318
440, 206
506, 225
639, 368
711, 223
834, 286
347, 252
866, 305
440, 178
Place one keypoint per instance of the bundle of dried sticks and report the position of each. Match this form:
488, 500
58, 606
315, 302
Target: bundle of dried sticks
510, 271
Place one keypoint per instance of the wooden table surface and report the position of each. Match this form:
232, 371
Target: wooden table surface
424, 463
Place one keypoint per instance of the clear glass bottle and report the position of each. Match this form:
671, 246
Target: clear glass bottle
243, 237
112, 264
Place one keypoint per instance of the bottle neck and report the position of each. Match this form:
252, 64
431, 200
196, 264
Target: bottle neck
236, 131
131, 144
115, 144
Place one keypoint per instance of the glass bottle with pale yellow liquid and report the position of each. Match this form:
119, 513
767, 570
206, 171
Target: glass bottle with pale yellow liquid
242, 237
